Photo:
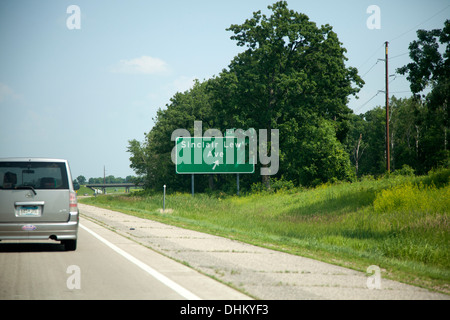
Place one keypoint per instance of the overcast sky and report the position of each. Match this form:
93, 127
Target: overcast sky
80, 89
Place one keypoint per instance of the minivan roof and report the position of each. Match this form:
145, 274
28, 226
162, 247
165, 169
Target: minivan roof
32, 159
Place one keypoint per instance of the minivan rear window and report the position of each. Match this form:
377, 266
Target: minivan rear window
39, 175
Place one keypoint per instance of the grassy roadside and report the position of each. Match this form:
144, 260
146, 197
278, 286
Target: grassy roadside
400, 224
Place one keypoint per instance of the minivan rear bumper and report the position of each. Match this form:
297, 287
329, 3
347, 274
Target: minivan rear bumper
40, 230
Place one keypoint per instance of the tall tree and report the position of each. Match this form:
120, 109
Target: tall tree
431, 69
406, 125
371, 126
291, 70
292, 77
151, 159
81, 179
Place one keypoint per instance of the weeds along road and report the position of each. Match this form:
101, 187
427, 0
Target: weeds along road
258, 272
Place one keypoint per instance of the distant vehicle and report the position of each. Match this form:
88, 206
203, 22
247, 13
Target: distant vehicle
38, 201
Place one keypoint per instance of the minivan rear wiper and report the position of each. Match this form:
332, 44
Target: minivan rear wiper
26, 187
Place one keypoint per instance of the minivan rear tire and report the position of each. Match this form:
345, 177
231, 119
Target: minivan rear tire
69, 245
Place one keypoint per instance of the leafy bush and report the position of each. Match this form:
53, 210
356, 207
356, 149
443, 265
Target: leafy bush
275, 186
404, 171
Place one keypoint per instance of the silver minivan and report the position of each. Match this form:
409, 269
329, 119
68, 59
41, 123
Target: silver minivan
38, 201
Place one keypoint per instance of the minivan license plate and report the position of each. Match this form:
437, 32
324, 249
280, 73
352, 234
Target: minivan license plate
29, 211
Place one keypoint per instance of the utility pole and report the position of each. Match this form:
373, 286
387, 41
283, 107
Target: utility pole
388, 156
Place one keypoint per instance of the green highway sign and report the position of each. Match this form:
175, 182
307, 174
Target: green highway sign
208, 155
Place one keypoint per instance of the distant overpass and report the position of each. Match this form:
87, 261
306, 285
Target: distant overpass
103, 186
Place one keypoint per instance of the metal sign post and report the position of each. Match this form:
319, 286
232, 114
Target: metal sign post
164, 199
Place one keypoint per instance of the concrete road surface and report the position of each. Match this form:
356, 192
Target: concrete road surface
261, 273
125, 257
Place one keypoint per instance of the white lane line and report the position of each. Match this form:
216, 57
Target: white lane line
171, 284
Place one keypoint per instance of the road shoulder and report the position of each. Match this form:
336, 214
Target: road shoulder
261, 273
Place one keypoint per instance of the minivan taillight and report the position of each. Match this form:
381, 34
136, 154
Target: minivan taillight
73, 202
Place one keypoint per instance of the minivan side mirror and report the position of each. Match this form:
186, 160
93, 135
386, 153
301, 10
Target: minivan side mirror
76, 186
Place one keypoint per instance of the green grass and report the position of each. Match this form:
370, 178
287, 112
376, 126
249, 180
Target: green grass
84, 190
399, 223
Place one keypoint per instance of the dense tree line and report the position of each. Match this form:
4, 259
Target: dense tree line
419, 124
108, 179
292, 77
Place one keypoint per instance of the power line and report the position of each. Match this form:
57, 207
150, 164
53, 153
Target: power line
395, 77
361, 106
373, 54
399, 55
370, 69
415, 27
397, 37
381, 91
401, 91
